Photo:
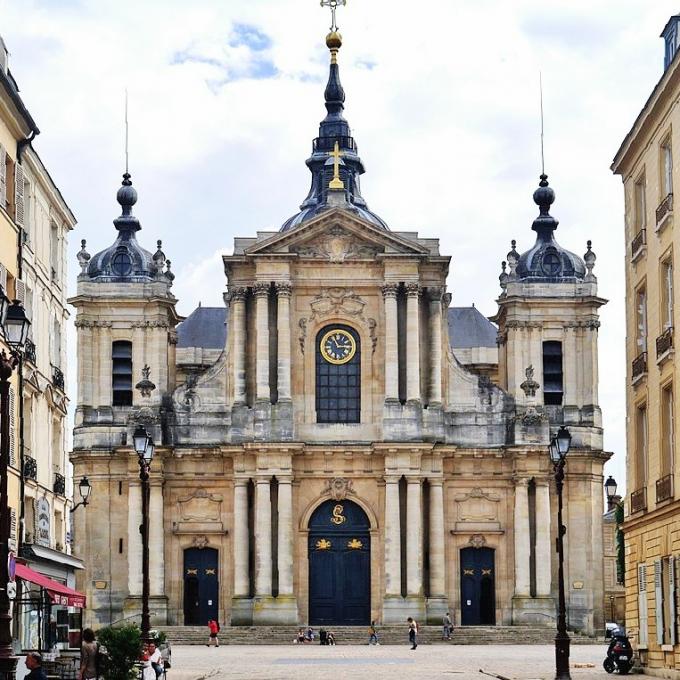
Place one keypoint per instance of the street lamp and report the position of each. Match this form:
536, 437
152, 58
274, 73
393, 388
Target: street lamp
615, 503
85, 490
560, 444
610, 487
14, 327
144, 447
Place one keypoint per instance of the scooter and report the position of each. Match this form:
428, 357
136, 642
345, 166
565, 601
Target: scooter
619, 654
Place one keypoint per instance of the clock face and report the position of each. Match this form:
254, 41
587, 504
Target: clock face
338, 346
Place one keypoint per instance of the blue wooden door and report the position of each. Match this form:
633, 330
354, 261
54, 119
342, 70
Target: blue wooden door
339, 565
477, 587
201, 586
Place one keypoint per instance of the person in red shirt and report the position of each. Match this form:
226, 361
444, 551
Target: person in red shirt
214, 628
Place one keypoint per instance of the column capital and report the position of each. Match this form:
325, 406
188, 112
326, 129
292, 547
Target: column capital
241, 481
542, 481
262, 480
287, 479
435, 481
261, 289
521, 481
414, 480
235, 294
390, 290
413, 289
434, 294
392, 479
283, 288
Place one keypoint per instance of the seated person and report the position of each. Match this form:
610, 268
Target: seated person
155, 659
309, 635
323, 640
330, 638
300, 636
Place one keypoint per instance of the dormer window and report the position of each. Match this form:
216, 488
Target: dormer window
670, 36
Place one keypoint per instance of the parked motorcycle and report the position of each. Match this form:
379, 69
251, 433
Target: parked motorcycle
619, 654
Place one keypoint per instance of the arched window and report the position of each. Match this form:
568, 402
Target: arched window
121, 356
338, 375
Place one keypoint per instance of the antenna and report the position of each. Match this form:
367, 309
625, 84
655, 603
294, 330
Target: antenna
126, 131
540, 89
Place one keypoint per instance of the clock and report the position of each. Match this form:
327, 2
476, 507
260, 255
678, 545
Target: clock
337, 346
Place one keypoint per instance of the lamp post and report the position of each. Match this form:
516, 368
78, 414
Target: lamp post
144, 448
615, 503
559, 447
85, 490
14, 327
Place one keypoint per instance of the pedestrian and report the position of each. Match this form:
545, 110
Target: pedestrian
447, 627
373, 634
214, 629
89, 656
34, 665
412, 632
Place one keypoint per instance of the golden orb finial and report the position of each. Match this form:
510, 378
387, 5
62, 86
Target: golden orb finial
334, 40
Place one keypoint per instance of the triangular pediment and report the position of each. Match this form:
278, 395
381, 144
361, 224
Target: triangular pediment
337, 235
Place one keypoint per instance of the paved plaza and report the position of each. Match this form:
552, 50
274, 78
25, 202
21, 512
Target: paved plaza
378, 663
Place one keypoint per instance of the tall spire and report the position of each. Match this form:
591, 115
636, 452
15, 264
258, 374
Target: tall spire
334, 131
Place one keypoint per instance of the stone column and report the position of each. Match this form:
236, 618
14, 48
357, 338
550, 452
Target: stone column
522, 542
285, 561
414, 538
105, 364
261, 291
240, 539
392, 538
412, 342
389, 291
263, 538
86, 378
283, 294
134, 538
156, 539
543, 542
435, 295
437, 539
237, 323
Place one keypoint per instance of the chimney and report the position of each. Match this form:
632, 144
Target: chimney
670, 35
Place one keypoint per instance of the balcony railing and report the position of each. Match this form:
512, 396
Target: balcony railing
59, 484
328, 143
638, 243
30, 467
638, 500
664, 343
639, 365
30, 352
664, 209
664, 488
58, 378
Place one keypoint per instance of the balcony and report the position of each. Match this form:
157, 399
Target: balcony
664, 488
638, 244
57, 378
664, 345
59, 486
638, 500
639, 368
30, 352
30, 468
664, 212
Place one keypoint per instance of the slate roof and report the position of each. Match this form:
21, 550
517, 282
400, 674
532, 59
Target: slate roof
205, 327
468, 327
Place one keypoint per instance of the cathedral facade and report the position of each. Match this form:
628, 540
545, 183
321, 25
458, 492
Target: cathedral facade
339, 445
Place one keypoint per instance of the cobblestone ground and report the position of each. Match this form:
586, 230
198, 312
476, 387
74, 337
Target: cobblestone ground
381, 663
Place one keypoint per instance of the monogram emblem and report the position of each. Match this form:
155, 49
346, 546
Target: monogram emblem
323, 544
355, 544
338, 517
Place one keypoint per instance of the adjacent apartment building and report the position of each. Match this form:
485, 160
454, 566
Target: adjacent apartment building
646, 165
34, 225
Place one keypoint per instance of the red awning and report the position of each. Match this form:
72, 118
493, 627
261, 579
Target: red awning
59, 594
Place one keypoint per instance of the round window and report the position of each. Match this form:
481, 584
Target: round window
121, 264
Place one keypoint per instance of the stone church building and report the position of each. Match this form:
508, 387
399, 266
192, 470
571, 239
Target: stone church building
338, 444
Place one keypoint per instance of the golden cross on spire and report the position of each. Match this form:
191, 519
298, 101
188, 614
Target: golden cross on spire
333, 4
336, 182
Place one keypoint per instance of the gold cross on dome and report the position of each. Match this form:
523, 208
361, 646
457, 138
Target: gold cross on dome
333, 4
336, 182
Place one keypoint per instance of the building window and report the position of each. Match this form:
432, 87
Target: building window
667, 293
28, 212
122, 373
641, 319
54, 251
666, 168
552, 373
338, 375
640, 204
667, 430
641, 446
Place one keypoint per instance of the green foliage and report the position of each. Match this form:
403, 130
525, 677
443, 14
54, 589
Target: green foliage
158, 636
123, 648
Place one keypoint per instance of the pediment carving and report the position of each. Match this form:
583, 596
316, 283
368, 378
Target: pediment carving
336, 301
337, 245
201, 506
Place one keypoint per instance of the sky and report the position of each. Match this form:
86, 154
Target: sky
225, 97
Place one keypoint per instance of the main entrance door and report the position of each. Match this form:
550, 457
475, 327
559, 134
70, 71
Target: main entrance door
201, 586
477, 587
339, 565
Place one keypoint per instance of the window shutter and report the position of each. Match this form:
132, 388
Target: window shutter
12, 425
672, 605
642, 605
658, 589
3, 277
12, 543
3, 176
19, 194
20, 291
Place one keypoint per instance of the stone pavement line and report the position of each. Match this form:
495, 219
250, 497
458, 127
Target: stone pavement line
312, 662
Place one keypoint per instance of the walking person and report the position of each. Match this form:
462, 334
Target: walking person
373, 634
89, 656
214, 629
34, 665
412, 632
447, 627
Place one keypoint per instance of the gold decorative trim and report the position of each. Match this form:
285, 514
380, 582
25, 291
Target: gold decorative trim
192, 572
355, 544
468, 572
331, 359
338, 517
486, 572
210, 572
323, 544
